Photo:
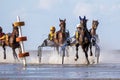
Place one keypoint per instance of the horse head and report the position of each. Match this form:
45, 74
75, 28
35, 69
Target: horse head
14, 34
15, 31
83, 21
83, 24
0, 29
62, 24
95, 24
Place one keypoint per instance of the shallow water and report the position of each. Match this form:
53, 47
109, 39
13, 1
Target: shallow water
51, 68
59, 72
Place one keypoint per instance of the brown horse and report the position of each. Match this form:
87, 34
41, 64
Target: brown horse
62, 34
10, 40
60, 38
95, 38
94, 27
84, 39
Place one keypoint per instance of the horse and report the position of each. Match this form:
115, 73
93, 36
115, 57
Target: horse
95, 38
58, 41
62, 37
84, 40
10, 40
62, 34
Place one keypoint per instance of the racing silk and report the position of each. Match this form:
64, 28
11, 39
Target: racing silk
51, 36
77, 35
2, 36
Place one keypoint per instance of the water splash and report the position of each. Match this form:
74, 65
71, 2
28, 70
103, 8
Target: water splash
52, 57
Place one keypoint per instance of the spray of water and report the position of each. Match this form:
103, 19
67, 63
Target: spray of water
52, 57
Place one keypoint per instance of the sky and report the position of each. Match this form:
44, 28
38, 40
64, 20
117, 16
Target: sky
40, 15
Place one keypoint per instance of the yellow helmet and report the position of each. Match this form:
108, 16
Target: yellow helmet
52, 28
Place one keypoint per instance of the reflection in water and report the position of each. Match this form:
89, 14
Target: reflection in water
53, 72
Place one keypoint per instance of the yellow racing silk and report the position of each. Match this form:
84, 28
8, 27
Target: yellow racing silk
51, 36
3, 37
77, 35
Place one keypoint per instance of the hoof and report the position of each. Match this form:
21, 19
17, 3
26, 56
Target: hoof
88, 62
4, 57
97, 62
67, 55
91, 54
76, 58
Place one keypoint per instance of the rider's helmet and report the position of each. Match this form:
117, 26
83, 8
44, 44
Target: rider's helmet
52, 28
78, 25
0, 29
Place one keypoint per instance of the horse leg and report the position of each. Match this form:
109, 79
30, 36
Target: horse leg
97, 52
77, 46
4, 52
67, 48
63, 55
57, 48
39, 53
15, 54
85, 50
91, 54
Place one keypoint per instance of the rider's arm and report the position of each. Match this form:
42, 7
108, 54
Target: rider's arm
3, 37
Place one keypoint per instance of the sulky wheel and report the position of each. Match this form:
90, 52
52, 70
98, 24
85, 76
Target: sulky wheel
16, 24
21, 55
18, 39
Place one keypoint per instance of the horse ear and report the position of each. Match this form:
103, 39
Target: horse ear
59, 19
80, 17
84, 17
98, 21
64, 20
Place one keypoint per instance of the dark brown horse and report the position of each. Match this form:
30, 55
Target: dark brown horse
10, 40
84, 39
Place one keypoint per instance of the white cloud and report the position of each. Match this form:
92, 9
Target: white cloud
48, 4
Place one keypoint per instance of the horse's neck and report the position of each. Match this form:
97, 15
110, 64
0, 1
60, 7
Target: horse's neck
13, 36
15, 33
61, 30
93, 32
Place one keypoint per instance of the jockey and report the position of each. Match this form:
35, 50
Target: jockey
2, 35
78, 31
52, 33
